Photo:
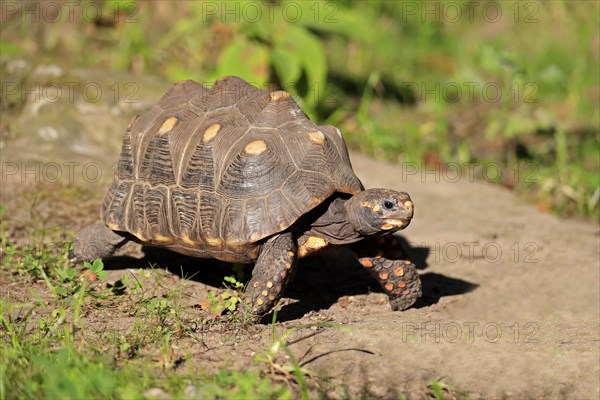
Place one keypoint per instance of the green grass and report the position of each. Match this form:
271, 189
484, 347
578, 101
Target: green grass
47, 351
55, 369
58, 340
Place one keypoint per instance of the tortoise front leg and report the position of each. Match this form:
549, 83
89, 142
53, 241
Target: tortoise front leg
386, 261
271, 274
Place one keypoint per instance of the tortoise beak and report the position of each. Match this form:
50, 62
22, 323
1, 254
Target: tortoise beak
401, 218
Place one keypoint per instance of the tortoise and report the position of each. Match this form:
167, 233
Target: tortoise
242, 175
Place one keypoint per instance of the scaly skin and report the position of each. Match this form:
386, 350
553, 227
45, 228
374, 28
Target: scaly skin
386, 261
96, 241
271, 274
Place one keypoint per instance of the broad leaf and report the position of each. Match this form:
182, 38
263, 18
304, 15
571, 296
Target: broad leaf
248, 60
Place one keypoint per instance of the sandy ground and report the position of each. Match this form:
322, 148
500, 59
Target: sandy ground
511, 302
510, 307
511, 297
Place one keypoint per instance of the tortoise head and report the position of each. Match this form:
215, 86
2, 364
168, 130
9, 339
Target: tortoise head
377, 211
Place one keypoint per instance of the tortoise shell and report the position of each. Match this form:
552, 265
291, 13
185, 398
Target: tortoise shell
212, 170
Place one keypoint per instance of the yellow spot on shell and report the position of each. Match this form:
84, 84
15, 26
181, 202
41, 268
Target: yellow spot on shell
376, 208
269, 284
265, 292
312, 244
140, 236
316, 137
162, 239
278, 95
211, 132
255, 148
168, 125
187, 240
260, 302
215, 242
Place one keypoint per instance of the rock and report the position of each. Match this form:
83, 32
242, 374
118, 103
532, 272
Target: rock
190, 391
156, 393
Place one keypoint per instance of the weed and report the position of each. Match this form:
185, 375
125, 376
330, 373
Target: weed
292, 370
50, 356
442, 391
268, 357
228, 300
50, 366
3, 224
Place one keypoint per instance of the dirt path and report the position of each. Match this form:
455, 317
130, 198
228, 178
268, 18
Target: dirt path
510, 309
511, 298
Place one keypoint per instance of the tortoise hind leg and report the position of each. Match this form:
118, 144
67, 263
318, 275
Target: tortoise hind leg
387, 261
271, 274
96, 241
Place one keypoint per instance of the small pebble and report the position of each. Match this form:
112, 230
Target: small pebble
157, 393
190, 391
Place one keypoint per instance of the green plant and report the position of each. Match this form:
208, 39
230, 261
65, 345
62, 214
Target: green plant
49, 358
269, 357
246, 384
3, 224
229, 299
293, 369
291, 52
441, 391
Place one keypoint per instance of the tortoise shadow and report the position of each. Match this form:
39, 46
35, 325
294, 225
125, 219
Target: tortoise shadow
207, 271
321, 279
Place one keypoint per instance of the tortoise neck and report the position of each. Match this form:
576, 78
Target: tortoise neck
333, 223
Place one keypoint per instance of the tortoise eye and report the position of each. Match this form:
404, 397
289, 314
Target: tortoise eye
388, 205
